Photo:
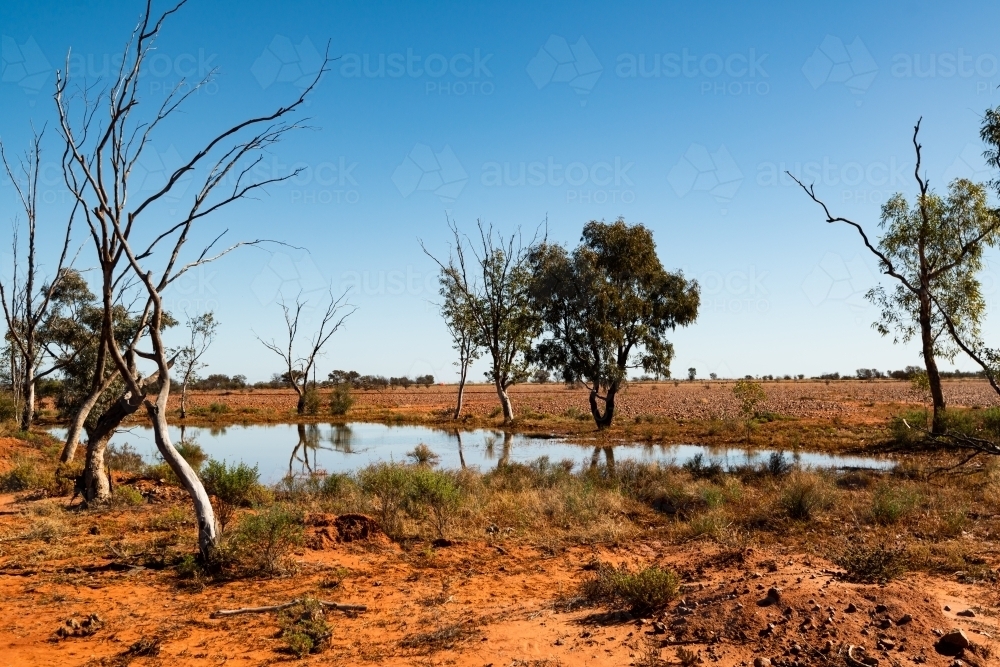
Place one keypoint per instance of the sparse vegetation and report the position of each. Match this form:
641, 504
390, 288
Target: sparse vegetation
643, 591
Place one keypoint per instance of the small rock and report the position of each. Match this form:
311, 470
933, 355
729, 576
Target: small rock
851, 608
774, 592
968, 613
761, 662
884, 623
904, 619
659, 628
956, 638
827, 647
870, 660
881, 609
887, 644
947, 608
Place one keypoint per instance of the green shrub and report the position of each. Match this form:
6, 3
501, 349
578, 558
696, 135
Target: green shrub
304, 628
192, 452
647, 590
803, 496
422, 455
233, 486
438, 493
340, 399
698, 469
890, 504
312, 401
126, 496
336, 485
124, 459
8, 407
261, 542
389, 484
24, 475
908, 428
871, 564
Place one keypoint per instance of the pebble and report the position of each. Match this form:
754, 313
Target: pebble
881, 609
761, 662
947, 608
904, 619
851, 608
968, 613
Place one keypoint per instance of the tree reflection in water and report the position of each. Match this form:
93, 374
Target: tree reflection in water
310, 443
609, 458
490, 443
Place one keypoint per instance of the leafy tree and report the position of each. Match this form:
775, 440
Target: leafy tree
202, 330
933, 249
750, 395
692, 374
460, 319
607, 307
491, 279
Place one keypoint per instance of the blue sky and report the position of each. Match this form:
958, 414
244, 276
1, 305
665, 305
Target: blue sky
681, 116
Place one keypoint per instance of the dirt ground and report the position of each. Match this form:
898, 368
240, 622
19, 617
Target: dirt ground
474, 604
698, 400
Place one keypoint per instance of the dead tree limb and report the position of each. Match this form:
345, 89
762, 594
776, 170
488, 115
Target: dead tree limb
278, 607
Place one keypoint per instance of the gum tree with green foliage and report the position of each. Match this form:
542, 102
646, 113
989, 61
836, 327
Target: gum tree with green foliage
461, 324
607, 307
750, 395
489, 279
933, 249
202, 332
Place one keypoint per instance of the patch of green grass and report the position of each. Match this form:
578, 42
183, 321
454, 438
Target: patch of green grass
304, 628
871, 563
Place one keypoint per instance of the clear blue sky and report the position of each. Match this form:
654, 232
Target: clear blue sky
681, 116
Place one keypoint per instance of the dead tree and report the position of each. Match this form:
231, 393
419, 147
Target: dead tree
298, 368
26, 304
100, 155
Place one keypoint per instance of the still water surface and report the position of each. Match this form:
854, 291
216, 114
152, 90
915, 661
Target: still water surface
281, 449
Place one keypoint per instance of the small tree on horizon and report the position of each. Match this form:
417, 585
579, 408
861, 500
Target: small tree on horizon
202, 333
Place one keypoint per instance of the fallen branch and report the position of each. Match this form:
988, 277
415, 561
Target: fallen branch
278, 607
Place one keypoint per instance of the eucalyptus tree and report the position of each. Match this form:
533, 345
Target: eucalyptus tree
933, 249
106, 136
607, 308
25, 297
489, 280
461, 324
201, 330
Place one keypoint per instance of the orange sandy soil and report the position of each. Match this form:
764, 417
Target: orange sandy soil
476, 604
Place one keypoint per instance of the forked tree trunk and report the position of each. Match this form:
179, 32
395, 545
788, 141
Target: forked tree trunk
76, 427
604, 420
461, 391
505, 404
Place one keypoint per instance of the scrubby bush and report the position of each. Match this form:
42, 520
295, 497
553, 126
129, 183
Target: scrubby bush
698, 469
389, 485
215, 409
126, 496
233, 486
423, 455
24, 475
8, 407
124, 459
340, 399
803, 496
890, 503
908, 428
304, 628
192, 452
871, 563
262, 542
436, 494
644, 591
312, 401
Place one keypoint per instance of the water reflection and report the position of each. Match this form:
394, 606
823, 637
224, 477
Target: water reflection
305, 449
